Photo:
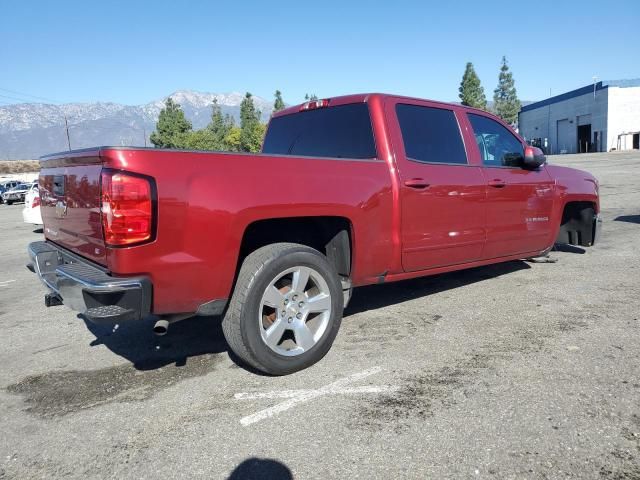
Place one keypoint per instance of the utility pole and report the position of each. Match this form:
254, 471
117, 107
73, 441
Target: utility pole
66, 126
144, 132
548, 139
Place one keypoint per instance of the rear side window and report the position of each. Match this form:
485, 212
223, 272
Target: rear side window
498, 146
339, 132
431, 135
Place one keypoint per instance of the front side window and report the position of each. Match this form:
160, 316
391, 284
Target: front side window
343, 131
431, 135
498, 146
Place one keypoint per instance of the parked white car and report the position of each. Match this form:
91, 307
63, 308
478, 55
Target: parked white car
31, 210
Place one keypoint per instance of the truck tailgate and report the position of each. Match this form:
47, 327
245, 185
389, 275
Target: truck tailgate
70, 202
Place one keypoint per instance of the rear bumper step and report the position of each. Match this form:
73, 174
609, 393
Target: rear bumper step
83, 287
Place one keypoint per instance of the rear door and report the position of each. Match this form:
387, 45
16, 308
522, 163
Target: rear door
70, 203
519, 201
441, 193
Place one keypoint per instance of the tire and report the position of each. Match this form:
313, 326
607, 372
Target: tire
264, 276
9, 202
587, 216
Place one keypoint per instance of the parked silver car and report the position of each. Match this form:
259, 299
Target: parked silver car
16, 194
7, 185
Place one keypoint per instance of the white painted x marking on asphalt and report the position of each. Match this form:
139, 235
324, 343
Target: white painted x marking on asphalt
295, 397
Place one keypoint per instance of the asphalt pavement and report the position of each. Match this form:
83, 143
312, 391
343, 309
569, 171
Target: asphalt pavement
517, 370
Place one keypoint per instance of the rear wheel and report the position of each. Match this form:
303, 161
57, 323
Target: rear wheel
9, 202
286, 308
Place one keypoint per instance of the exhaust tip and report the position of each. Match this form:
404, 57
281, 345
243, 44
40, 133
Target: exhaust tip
161, 327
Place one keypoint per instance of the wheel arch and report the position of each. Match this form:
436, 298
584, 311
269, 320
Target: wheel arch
577, 222
332, 236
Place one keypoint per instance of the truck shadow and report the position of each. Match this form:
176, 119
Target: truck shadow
566, 248
378, 296
628, 218
199, 336
136, 342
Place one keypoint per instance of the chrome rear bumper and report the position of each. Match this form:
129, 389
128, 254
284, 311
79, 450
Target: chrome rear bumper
86, 288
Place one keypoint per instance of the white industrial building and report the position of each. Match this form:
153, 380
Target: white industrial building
600, 117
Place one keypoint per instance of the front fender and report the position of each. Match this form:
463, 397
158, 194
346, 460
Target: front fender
577, 206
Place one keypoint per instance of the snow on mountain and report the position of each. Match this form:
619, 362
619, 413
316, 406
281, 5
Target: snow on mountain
29, 130
24, 116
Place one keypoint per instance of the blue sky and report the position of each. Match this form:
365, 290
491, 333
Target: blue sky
136, 51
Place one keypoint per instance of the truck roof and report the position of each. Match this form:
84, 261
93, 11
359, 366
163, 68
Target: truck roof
334, 101
365, 97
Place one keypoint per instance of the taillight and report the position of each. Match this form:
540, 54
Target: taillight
36, 201
127, 209
313, 104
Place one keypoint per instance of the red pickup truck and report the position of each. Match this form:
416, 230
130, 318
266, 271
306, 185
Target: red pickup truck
347, 191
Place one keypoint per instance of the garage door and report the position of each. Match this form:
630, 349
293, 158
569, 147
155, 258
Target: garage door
563, 136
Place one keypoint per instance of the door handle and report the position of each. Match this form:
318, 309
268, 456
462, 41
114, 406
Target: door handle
497, 183
418, 183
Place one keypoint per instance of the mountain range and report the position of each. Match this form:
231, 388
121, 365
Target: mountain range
30, 130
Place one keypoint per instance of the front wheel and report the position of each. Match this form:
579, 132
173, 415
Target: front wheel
286, 308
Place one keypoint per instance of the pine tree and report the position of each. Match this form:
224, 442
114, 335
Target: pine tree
251, 130
217, 120
279, 103
172, 128
471, 91
505, 99
248, 112
219, 126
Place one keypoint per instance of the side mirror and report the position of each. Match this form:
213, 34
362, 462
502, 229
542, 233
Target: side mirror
533, 157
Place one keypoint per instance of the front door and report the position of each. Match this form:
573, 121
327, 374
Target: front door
519, 201
441, 194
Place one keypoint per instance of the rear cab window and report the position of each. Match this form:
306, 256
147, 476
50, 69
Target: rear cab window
343, 131
431, 135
